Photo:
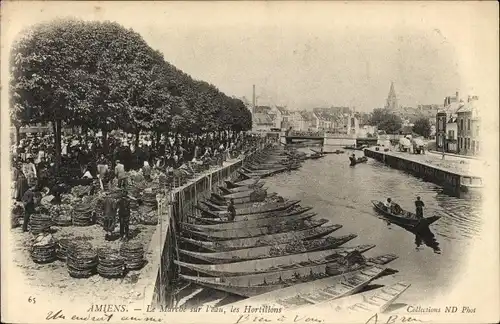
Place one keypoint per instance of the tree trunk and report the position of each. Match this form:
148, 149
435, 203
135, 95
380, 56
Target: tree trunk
105, 141
56, 126
158, 138
18, 134
136, 143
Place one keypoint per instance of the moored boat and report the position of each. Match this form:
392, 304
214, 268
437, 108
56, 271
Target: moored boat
239, 189
241, 220
269, 251
256, 284
249, 223
326, 289
382, 299
405, 217
256, 231
215, 204
280, 263
242, 183
280, 238
222, 217
266, 209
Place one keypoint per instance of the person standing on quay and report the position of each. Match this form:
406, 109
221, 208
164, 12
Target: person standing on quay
232, 210
124, 214
120, 173
419, 205
109, 216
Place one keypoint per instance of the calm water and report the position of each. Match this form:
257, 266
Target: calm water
342, 194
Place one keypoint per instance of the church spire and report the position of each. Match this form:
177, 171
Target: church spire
392, 100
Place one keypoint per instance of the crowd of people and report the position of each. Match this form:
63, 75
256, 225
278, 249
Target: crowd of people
86, 159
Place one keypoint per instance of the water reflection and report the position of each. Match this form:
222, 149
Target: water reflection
423, 235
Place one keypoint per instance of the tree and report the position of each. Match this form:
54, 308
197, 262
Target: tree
422, 127
385, 120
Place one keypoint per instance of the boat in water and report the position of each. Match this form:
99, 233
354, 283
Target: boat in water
354, 161
288, 215
266, 209
242, 188
404, 217
242, 183
269, 229
219, 246
270, 251
281, 263
323, 290
261, 283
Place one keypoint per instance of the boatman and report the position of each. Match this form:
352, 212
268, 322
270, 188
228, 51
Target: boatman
388, 204
231, 210
419, 205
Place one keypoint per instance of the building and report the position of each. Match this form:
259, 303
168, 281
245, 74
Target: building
324, 119
262, 122
451, 134
392, 101
282, 118
468, 127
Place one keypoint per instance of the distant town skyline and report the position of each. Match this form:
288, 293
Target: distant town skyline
297, 55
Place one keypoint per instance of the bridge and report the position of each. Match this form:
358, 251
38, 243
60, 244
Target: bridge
305, 139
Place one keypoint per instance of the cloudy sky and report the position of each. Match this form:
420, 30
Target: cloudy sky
307, 55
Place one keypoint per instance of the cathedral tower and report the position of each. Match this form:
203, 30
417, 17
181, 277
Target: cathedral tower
392, 101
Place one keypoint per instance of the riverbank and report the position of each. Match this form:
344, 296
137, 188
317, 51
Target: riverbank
456, 174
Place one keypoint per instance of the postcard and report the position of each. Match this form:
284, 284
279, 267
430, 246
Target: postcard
249, 162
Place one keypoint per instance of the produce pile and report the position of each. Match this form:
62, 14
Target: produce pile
258, 195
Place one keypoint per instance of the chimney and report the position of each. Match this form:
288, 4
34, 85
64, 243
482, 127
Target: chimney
458, 99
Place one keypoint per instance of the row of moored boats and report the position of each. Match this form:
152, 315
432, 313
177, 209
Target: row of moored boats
276, 250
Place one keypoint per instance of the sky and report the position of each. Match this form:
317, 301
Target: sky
305, 55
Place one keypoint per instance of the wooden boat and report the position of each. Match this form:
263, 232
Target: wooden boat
379, 302
269, 251
405, 217
353, 161
266, 209
262, 174
255, 231
215, 204
273, 264
256, 284
310, 293
279, 238
315, 156
240, 201
239, 189
249, 224
244, 218
241, 194
242, 183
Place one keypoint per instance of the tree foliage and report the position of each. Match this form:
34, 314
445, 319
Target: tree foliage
385, 120
422, 127
106, 77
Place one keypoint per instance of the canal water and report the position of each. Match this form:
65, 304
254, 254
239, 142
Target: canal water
342, 194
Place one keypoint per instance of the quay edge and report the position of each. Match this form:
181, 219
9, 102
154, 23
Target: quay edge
455, 181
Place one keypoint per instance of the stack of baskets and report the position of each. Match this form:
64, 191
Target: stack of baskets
149, 198
40, 223
61, 215
43, 249
133, 254
81, 260
82, 214
111, 264
63, 246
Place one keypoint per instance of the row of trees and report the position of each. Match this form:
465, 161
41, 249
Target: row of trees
101, 76
392, 123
